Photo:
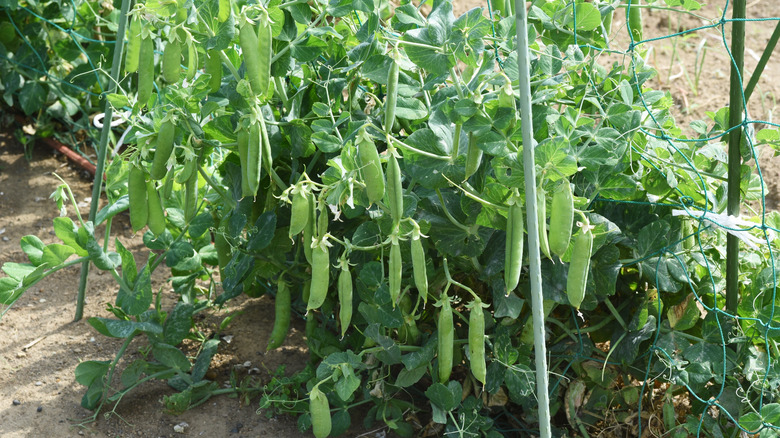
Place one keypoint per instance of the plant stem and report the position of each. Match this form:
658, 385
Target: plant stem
736, 109
97, 188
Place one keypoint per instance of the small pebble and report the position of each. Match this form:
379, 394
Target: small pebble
247, 364
38, 383
21, 354
40, 408
16, 402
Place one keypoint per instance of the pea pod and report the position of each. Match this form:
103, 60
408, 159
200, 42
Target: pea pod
446, 340
635, 21
136, 192
145, 71
163, 150
345, 296
133, 46
541, 219
308, 231
419, 267
213, 68
392, 92
265, 54
224, 251
395, 192
371, 167
171, 62
254, 158
561, 219
281, 315
473, 156
513, 259
156, 218
320, 275
247, 39
577, 279
395, 270
299, 213
319, 409
192, 60
687, 230
242, 144
477, 340
191, 197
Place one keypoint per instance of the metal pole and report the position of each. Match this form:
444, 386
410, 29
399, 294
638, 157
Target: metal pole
736, 109
540, 349
97, 186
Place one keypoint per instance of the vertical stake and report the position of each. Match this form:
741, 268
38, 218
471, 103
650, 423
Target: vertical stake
529, 168
736, 110
97, 186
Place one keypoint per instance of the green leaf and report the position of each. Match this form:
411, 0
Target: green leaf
133, 373
90, 370
116, 328
171, 357
33, 247
183, 257
410, 109
118, 101
262, 233
447, 397
225, 34
750, 422
427, 53
770, 413
136, 301
129, 269
32, 96
17, 271
178, 323
421, 357
66, 231
112, 209
55, 254
204, 359
408, 378
520, 381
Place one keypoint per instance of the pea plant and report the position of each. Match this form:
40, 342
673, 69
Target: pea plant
365, 167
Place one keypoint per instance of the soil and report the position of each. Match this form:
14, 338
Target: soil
41, 345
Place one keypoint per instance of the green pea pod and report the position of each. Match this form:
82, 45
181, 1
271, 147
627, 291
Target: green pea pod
190, 167
392, 92
319, 409
265, 52
395, 270
224, 251
247, 39
254, 160
322, 222
163, 150
299, 212
371, 167
513, 259
192, 60
687, 230
156, 219
191, 197
541, 219
345, 296
561, 219
145, 71
133, 52
136, 192
320, 276
477, 341
282, 308
395, 191
242, 144
473, 156
308, 231
213, 68
419, 267
635, 21
577, 279
171, 62
446, 340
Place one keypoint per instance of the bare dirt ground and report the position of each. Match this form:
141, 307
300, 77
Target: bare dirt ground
40, 346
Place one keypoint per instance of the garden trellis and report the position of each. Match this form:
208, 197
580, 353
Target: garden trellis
407, 184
